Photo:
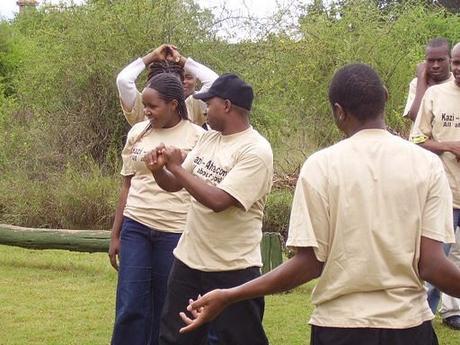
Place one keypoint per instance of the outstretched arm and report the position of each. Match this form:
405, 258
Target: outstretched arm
303, 267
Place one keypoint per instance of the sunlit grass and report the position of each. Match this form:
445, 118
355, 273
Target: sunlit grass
64, 298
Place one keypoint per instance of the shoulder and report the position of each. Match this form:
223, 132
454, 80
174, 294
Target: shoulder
193, 128
256, 144
138, 127
413, 83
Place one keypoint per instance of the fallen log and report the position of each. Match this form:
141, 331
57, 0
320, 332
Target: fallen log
75, 240
92, 241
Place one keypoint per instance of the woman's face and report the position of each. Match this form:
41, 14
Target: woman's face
161, 114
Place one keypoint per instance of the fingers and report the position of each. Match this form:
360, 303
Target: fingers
113, 260
191, 324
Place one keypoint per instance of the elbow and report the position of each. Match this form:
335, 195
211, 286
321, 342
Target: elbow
121, 81
218, 207
427, 272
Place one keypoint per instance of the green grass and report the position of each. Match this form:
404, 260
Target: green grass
53, 297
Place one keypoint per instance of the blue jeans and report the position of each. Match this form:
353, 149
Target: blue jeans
434, 295
145, 261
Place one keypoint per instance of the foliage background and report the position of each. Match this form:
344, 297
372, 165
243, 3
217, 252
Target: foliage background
60, 120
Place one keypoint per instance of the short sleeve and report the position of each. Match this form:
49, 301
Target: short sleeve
437, 217
309, 220
250, 179
127, 168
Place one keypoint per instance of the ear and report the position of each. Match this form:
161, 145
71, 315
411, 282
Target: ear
174, 104
387, 94
227, 105
339, 113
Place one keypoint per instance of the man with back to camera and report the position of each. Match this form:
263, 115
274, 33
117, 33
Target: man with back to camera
369, 233
437, 128
229, 175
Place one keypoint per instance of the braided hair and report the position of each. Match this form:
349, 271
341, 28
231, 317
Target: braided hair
169, 87
159, 67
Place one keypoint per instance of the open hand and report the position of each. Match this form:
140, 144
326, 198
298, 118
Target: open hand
204, 309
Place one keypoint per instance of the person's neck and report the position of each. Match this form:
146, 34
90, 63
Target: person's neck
237, 125
378, 123
436, 82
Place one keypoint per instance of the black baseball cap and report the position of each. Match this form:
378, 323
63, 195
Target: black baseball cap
229, 86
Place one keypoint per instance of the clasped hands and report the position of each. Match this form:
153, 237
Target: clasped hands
163, 156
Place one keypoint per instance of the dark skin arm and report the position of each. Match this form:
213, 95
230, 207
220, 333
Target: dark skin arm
210, 196
303, 267
422, 86
435, 268
166, 166
114, 248
441, 147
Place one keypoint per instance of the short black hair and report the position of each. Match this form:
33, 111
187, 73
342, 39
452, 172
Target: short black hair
359, 90
438, 42
169, 87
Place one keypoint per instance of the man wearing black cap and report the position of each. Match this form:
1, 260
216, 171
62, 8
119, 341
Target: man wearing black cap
229, 174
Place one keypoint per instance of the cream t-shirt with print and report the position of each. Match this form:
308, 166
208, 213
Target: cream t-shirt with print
363, 204
439, 119
147, 203
412, 91
241, 164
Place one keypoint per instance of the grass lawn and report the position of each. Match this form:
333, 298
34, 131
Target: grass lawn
53, 297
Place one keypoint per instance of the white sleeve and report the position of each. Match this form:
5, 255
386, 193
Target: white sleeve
126, 81
202, 73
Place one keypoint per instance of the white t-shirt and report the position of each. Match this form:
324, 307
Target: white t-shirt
241, 164
365, 219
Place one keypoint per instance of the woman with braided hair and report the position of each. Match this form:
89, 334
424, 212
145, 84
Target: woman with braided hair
148, 221
165, 58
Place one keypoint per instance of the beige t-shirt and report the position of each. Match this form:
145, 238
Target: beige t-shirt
147, 203
196, 109
413, 89
363, 204
439, 119
242, 165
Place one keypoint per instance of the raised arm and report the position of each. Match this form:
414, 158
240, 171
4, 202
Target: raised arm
420, 89
126, 79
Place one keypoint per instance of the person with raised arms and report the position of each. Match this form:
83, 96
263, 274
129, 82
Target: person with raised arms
165, 58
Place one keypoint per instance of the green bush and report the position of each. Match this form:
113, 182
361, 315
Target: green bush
59, 107
277, 211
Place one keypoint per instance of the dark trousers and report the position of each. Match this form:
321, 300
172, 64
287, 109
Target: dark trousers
239, 324
420, 335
